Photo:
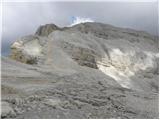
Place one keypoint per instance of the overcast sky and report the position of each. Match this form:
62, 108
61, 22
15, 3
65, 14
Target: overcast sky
23, 18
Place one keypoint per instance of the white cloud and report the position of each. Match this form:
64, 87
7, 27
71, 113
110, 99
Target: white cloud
78, 20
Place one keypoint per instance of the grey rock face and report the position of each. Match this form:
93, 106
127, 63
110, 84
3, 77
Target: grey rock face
121, 55
90, 70
45, 30
28, 49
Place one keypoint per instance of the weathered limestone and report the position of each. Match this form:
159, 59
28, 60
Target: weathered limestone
7, 110
118, 53
45, 30
90, 70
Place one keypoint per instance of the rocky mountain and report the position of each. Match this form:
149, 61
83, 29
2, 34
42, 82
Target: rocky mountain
90, 70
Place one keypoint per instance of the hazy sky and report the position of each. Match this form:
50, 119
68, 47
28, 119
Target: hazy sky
23, 18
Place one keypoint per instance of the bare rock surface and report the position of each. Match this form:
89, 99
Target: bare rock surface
90, 70
45, 30
7, 110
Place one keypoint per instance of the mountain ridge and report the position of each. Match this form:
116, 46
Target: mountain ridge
89, 64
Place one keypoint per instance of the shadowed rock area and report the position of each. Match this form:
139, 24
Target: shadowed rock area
90, 70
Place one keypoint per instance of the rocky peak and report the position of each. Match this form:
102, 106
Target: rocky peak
45, 30
119, 53
89, 70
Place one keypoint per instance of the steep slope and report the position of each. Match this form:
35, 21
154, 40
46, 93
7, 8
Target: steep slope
90, 70
122, 55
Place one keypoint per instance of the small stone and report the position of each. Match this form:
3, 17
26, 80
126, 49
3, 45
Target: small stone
52, 102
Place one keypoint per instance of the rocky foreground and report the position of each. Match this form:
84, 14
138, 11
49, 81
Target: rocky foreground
90, 70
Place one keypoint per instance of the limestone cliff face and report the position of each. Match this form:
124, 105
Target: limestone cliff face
28, 49
122, 54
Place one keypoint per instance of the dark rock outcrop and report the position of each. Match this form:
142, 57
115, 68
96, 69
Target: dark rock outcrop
45, 30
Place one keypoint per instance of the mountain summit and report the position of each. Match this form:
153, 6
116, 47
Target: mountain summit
90, 70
